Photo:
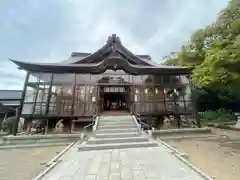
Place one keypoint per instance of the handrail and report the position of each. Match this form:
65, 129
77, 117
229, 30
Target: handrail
144, 124
92, 123
139, 120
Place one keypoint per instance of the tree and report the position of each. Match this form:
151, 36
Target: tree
214, 52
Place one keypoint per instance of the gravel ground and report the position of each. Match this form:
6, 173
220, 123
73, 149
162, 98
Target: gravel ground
219, 156
25, 164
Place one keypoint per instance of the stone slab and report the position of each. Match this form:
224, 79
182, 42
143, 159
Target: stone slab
142, 164
182, 131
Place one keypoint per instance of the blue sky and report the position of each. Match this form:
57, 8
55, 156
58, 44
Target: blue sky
49, 30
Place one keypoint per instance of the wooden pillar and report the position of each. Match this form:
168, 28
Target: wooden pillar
185, 109
98, 103
194, 104
36, 96
164, 101
176, 117
85, 98
42, 99
15, 125
73, 104
49, 95
46, 128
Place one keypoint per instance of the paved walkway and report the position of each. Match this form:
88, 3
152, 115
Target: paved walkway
152, 163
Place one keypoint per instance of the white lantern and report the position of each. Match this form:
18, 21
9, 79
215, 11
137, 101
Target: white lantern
91, 90
165, 91
146, 91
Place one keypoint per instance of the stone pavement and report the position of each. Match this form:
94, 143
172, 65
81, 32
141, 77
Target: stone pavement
149, 163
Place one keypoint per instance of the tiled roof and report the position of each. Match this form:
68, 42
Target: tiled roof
10, 94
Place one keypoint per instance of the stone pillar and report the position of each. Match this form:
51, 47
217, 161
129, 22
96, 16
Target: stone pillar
238, 120
149, 133
72, 126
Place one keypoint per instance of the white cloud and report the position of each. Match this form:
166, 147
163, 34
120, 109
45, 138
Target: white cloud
50, 32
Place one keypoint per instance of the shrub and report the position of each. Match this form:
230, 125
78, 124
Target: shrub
220, 115
7, 125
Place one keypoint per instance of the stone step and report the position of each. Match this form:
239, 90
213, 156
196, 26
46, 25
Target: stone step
117, 123
110, 118
114, 118
125, 130
117, 140
117, 135
92, 147
120, 126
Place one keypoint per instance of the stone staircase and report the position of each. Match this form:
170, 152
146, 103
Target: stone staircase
117, 132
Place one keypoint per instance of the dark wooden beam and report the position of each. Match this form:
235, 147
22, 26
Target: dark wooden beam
35, 99
49, 95
73, 95
73, 103
19, 112
194, 104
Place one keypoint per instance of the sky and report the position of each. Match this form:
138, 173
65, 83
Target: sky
49, 30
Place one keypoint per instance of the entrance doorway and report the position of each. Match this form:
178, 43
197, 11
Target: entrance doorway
115, 101
114, 98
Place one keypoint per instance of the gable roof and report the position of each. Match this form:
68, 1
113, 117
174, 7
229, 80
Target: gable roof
113, 55
113, 44
78, 56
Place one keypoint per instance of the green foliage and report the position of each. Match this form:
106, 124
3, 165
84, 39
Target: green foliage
214, 52
7, 125
220, 115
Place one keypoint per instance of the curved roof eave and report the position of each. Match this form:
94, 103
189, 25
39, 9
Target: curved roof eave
98, 68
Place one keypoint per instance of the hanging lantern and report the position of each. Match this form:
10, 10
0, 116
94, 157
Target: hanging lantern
156, 91
137, 91
146, 91
91, 90
93, 99
165, 91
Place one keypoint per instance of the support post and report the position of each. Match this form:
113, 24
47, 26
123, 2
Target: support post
35, 98
48, 103
73, 104
19, 112
194, 104
185, 110
164, 102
